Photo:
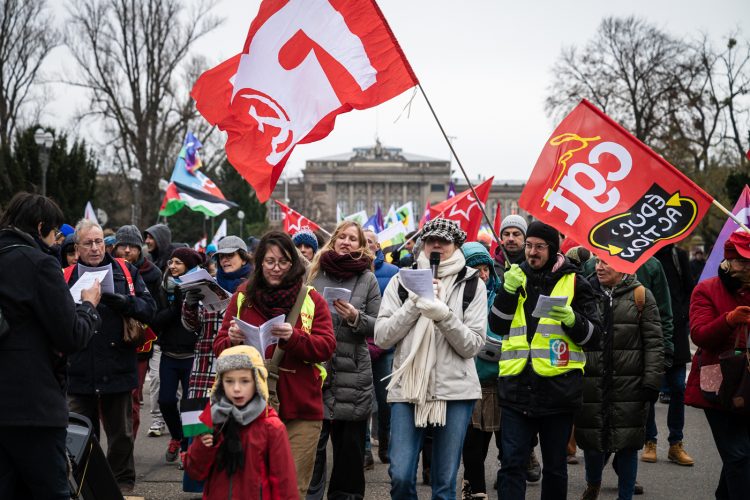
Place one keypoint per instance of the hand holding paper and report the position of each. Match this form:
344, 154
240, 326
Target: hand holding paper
563, 314
418, 281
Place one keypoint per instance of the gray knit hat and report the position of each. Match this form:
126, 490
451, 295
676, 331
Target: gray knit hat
514, 221
129, 235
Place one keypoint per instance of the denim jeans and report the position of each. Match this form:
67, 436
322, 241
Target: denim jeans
446, 450
518, 432
674, 378
627, 470
731, 434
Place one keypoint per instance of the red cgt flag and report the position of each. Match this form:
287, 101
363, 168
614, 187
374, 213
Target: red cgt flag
464, 209
294, 221
304, 62
601, 186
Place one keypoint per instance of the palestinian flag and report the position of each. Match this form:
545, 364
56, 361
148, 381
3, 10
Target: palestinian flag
190, 187
196, 417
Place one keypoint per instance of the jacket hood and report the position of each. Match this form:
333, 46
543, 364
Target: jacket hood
163, 237
628, 283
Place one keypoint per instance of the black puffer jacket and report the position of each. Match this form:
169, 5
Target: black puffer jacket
45, 323
174, 338
627, 359
108, 364
528, 392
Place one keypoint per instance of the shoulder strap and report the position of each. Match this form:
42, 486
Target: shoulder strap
128, 277
291, 318
639, 295
470, 290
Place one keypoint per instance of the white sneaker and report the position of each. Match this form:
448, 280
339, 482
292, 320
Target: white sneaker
156, 429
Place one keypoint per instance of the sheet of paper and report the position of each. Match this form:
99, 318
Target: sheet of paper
198, 275
215, 298
108, 284
332, 293
418, 281
545, 303
259, 336
85, 281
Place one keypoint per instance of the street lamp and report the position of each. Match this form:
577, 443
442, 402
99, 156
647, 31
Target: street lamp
135, 175
163, 186
44, 140
241, 217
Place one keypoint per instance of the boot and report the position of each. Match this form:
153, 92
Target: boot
465, 490
369, 461
649, 452
592, 492
638, 490
678, 455
533, 469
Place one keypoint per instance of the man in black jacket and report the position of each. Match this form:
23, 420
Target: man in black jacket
44, 325
103, 375
541, 363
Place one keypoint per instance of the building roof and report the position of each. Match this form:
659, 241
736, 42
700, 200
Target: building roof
378, 152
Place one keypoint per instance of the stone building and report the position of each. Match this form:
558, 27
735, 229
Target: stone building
376, 175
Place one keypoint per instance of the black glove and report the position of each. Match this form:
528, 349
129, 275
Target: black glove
650, 395
192, 297
668, 359
116, 301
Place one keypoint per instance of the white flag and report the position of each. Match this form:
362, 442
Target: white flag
339, 213
360, 217
88, 213
220, 233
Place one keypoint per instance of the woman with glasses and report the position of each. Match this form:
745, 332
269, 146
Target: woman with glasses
274, 286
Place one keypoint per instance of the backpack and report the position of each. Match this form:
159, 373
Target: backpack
470, 289
639, 295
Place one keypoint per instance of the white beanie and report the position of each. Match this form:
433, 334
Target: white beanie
514, 221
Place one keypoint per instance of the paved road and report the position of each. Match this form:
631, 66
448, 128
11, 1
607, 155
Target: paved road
158, 480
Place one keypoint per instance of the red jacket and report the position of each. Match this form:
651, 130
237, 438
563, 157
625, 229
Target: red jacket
712, 299
300, 384
268, 472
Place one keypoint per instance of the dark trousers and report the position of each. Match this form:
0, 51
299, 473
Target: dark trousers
348, 474
476, 445
731, 434
138, 395
115, 412
382, 368
33, 463
518, 432
172, 372
674, 379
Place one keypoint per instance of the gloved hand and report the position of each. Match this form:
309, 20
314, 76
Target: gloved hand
433, 309
512, 279
437, 289
650, 395
740, 315
563, 314
116, 301
668, 359
192, 297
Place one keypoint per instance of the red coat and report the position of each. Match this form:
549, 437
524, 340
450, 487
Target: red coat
300, 385
712, 299
268, 472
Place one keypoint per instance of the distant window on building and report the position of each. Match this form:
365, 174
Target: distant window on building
437, 188
274, 213
319, 187
360, 205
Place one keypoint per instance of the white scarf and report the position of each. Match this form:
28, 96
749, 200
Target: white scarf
417, 372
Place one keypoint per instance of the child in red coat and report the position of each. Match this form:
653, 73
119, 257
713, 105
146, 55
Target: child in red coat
248, 455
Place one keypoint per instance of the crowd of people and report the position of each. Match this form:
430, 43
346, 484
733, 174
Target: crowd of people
490, 355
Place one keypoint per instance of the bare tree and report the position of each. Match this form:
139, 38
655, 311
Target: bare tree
133, 57
735, 73
26, 37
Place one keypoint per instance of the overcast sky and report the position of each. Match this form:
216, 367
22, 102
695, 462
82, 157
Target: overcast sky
485, 65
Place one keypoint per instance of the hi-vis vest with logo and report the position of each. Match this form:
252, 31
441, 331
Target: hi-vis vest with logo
552, 352
306, 314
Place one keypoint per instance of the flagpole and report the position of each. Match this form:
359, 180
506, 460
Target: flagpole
730, 214
458, 160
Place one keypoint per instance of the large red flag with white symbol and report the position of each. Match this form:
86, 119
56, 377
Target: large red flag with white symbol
601, 186
294, 221
464, 209
304, 62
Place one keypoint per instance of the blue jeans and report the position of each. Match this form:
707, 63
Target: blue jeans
731, 434
446, 450
627, 470
674, 379
518, 432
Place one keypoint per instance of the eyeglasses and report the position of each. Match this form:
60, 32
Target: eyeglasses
92, 243
175, 262
536, 246
283, 264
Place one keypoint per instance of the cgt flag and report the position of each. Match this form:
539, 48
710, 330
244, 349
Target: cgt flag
304, 62
598, 184
464, 209
294, 221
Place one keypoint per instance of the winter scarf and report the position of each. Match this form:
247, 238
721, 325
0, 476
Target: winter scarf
343, 266
277, 300
230, 281
420, 364
230, 455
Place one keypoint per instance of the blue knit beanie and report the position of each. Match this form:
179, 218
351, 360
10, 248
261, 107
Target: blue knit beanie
307, 237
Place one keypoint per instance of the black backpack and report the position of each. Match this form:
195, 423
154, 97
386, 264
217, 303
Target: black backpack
470, 289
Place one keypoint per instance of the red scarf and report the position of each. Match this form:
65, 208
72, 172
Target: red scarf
344, 266
273, 301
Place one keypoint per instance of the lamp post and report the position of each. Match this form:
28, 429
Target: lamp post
163, 186
44, 140
135, 175
241, 217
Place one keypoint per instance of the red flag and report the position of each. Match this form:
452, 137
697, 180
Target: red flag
598, 184
425, 216
496, 226
304, 62
464, 209
294, 221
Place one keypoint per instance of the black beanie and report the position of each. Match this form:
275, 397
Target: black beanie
539, 229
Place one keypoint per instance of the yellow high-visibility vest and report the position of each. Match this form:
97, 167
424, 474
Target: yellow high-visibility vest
551, 351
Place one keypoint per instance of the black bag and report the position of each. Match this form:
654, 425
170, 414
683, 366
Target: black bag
90, 477
734, 393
